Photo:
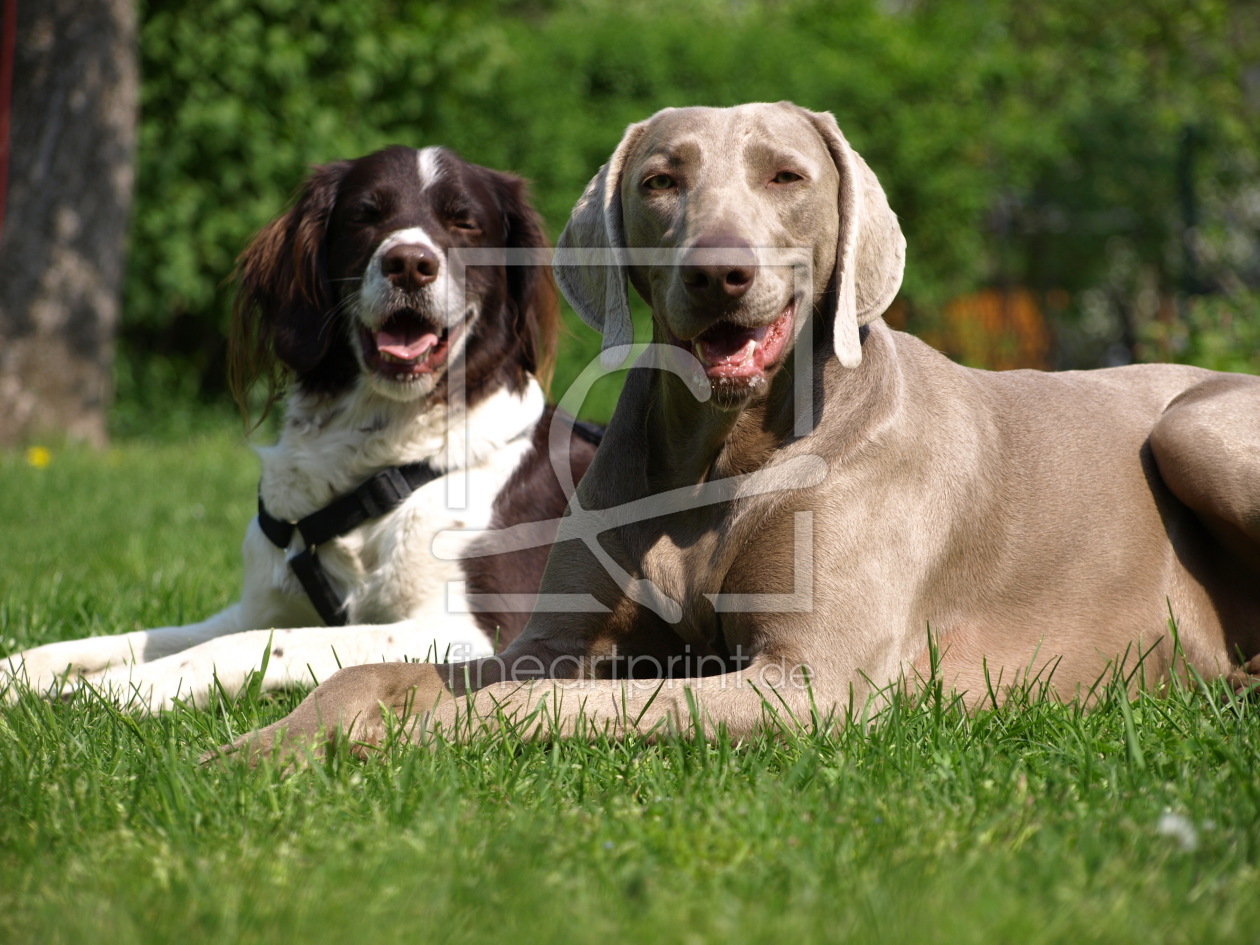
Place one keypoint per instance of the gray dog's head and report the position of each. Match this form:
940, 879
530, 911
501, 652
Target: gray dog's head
733, 206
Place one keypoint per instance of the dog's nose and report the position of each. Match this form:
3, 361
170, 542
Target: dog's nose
719, 269
410, 265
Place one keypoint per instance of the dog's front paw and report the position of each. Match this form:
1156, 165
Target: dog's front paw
288, 744
50, 670
1245, 681
144, 688
359, 704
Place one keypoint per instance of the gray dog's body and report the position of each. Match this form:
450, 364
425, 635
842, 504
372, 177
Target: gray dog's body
1043, 527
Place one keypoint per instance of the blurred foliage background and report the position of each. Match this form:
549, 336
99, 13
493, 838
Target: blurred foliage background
1077, 179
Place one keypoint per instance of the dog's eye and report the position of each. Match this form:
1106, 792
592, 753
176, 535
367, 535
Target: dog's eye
467, 224
786, 177
659, 182
366, 211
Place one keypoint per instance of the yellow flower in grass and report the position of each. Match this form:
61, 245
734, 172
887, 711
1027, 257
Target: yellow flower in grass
39, 456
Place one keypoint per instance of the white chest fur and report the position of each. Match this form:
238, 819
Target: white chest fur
385, 569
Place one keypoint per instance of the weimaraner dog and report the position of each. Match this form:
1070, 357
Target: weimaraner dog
796, 509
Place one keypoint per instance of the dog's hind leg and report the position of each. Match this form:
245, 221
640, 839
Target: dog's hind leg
1207, 448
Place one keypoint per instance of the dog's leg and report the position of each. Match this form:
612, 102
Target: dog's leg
1207, 447
59, 666
45, 668
764, 696
1245, 680
361, 702
297, 657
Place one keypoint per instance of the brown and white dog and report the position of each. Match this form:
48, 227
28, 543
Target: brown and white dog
800, 498
399, 355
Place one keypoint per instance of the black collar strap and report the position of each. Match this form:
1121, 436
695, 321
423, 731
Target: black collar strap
380, 494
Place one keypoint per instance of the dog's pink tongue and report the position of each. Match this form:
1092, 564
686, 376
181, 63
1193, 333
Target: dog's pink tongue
725, 346
728, 348
406, 343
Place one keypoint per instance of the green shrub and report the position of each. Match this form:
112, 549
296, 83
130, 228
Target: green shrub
1028, 143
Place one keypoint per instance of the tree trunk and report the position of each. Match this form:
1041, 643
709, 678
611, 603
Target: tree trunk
62, 249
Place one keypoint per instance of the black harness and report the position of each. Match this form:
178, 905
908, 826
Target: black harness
378, 496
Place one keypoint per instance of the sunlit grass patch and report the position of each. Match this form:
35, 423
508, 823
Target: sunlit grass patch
1136, 821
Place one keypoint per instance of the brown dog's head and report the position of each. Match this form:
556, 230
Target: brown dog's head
728, 222
361, 281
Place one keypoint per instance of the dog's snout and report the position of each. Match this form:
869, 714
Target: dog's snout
410, 265
719, 269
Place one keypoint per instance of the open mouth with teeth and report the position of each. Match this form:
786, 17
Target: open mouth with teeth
407, 345
735, 353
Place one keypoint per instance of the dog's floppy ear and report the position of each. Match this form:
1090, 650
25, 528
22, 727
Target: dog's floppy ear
598, 293
283, 294
870, 249
531, 289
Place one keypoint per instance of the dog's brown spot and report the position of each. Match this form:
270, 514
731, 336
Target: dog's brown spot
528, 497
278, 652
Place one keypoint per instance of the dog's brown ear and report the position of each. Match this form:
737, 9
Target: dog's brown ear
590, 266
283, 297
870, 250
531, 288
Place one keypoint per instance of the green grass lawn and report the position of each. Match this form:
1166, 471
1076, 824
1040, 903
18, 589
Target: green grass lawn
1132, 823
